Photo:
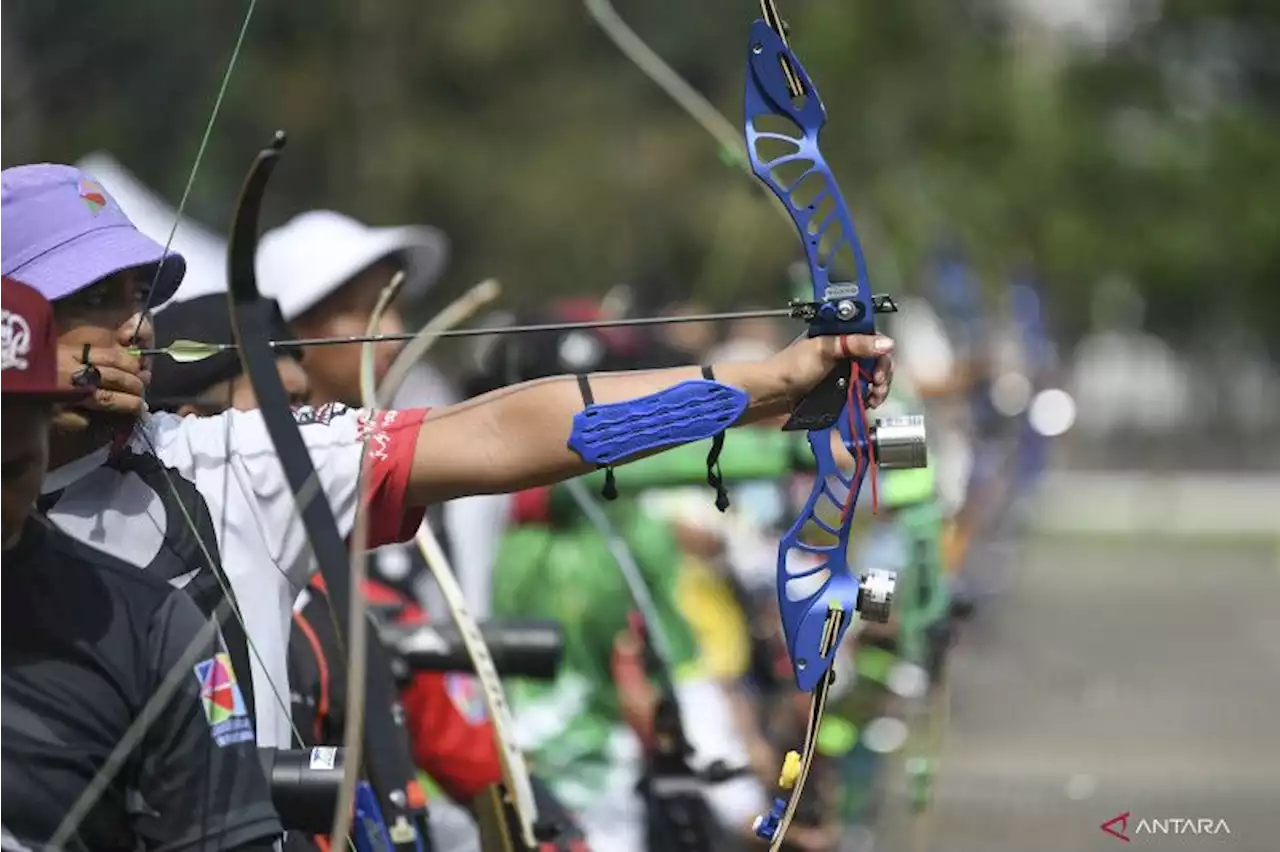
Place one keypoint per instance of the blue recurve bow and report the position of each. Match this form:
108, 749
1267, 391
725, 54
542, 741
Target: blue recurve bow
817, 593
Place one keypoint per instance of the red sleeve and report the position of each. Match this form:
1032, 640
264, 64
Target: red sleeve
532, 506
390, 438
452, 740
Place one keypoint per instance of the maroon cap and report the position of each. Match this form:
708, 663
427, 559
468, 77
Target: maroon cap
31, 347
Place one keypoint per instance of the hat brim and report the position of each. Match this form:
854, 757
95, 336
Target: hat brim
426, 253
78, 263
424, 250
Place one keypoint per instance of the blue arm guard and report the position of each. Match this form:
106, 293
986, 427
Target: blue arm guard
691, 411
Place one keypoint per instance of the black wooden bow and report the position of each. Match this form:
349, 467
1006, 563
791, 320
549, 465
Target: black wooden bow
252, 322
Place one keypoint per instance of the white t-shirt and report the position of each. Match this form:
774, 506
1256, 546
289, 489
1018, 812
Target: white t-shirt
226, 475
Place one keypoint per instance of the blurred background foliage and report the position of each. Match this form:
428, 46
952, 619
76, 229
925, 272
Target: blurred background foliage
1092, 138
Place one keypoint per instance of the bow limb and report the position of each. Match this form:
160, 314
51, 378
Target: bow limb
388, 295
454, 314
518, 792
251, 318
657, 70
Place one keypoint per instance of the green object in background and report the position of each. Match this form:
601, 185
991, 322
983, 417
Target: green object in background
836, 736
920, 782
874, 664
565, 572
429, 787
733, 158
899, 488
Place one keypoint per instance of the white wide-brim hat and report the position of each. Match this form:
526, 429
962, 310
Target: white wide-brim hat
313, 254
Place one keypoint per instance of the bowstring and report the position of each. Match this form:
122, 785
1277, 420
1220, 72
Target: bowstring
223, 86
210, 633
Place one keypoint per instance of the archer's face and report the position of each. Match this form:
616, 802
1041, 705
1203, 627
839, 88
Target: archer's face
24, 429
334, 371
106, 313
103, 316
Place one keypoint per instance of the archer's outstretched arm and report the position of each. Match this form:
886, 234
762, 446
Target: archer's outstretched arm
517, 437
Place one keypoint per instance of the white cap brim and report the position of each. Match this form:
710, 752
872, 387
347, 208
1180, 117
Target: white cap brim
311, 256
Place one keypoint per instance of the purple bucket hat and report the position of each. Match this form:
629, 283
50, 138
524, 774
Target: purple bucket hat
62, 232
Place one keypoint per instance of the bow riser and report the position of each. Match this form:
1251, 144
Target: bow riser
821, 217
814, 577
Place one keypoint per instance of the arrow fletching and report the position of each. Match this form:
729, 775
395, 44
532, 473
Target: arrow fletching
186, 351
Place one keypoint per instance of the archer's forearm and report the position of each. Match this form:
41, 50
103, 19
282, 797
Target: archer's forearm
517, 437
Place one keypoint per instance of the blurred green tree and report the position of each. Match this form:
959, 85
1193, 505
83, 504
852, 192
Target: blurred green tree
555, 165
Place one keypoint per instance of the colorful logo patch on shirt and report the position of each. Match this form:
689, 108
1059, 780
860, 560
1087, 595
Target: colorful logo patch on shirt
224, 706
93, 195
306, 415
466, 695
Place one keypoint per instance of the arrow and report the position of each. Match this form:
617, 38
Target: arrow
189, 351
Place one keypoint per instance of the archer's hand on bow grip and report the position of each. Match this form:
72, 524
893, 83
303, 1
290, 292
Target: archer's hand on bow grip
808, 361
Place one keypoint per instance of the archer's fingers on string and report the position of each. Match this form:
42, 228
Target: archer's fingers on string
69, 421
116, 360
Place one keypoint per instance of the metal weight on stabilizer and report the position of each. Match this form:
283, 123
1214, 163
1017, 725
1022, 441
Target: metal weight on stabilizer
899, 444
875, 595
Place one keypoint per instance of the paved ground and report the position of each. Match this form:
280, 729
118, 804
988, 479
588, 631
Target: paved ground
1116, 675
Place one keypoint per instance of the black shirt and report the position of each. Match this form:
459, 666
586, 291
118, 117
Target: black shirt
87, 641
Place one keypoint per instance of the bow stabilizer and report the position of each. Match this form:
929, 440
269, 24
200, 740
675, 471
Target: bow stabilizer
817, 594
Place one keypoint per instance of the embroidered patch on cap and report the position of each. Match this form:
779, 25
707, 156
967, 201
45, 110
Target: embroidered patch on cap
224, 706
94, 196
17, 341
465, 692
